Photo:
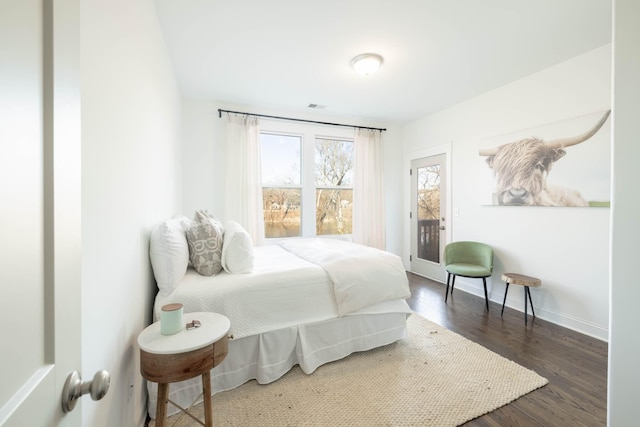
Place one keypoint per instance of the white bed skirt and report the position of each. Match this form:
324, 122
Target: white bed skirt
268, 356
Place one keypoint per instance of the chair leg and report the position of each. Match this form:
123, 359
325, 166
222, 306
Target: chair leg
453, 282
446, 291
486, 297
505, 298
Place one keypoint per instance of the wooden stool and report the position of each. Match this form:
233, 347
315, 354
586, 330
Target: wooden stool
526, 281
167, 359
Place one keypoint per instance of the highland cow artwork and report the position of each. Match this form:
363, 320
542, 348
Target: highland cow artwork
561, 164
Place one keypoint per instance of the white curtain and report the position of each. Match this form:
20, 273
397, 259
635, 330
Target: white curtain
243, 201
368, 190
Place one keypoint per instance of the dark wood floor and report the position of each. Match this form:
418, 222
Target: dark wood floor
574, 364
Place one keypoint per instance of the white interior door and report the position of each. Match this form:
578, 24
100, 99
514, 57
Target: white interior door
40, 197
428, 215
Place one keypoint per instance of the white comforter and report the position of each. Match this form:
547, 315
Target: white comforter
285, 289
362, 276
282, 289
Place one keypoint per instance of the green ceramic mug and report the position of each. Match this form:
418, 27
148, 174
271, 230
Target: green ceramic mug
171, 319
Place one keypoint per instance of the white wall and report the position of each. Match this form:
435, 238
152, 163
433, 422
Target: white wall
203, 157
131, 181
567, 248
204, 153
624, 346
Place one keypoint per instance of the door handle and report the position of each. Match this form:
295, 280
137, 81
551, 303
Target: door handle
442, 227
74, 388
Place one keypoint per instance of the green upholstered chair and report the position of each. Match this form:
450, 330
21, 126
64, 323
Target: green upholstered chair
468, 259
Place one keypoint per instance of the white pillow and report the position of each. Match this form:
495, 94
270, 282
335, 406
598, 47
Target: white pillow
237, 250
169, 253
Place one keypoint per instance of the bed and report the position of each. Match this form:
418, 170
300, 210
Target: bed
302, 302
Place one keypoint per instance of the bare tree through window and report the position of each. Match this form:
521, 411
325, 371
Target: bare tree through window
429, 192
282, 184
334, 192
428, 204
283, 187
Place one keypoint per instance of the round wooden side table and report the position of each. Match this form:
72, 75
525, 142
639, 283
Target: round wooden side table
522, 280
166, 359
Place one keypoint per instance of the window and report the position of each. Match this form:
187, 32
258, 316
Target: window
307, 184
281, 184
333, 180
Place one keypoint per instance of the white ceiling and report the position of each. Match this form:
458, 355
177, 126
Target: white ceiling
286, 54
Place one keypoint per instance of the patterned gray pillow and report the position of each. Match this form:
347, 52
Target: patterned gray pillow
205, 237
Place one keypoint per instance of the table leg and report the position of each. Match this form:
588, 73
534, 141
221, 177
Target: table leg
506, 289
206, 397
531, 301
525, 305
161, 407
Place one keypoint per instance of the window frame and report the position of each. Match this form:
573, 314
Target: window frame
286, 186
334, 187
308, 133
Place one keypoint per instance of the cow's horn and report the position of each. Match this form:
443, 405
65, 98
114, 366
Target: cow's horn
489, 151
568, 142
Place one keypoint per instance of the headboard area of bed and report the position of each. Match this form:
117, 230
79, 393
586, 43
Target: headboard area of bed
203, 243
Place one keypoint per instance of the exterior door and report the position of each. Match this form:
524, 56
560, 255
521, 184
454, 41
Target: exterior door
428, 221
40, 209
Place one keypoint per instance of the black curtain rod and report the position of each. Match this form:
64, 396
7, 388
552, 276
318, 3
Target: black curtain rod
220, 111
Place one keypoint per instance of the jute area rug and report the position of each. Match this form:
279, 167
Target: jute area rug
433, 378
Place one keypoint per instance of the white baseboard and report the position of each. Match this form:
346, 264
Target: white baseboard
562, 319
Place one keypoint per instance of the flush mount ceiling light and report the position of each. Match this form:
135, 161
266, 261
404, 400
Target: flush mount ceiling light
367, 63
